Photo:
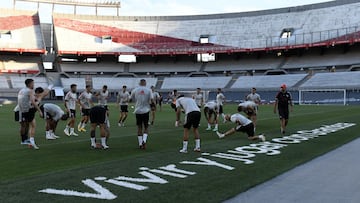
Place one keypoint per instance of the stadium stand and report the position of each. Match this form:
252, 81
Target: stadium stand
19, 64
191, 83
244, 64
322, 24
18, 82
346, 80
186, 66
115, 84
92, 67
80, 82
267, 81
20, 31
3, 83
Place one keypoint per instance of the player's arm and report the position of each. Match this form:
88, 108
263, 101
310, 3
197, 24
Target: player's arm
32, 99
275, 105
291, 104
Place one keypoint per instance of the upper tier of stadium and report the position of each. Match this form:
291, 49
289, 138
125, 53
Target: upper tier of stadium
324, 24
20, 32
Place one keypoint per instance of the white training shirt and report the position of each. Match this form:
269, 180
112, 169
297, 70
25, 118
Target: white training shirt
85, 99
212, 105
53, 110
188, 104
254, 97
198, 99
123, 98
142, 96
248, 104
220, 98
70, 99
238, 118
24, 99
103, 97
156, 96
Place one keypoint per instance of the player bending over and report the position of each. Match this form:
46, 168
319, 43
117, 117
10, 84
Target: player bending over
243, 124
52, 113
192, 119
211, 110
250, 109
98, 117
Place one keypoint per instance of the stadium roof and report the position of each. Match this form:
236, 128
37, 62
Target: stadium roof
97, 3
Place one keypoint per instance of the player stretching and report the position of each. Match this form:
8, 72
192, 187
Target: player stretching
70, 105
211, 110
198, 97
26, 100
123, 101
192, 119
85, 100
156, 97
52, 113
103, 97
220, 99
143, 98
250, 109
242, 125
282, 102
98, 117
254, 97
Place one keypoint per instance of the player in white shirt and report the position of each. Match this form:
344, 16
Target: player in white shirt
192, 119
211, 110
70, 104
156, 97
250, 109
85, 100
198, 97
123, 98
254, 97
220, 100
26, 100
243, 124
103, 97
143, 98
52, 113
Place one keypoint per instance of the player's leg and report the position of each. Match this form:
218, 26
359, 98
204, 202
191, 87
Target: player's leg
187, 126
216, 121
92, 135
139, 123
153, 112
24, 128
249, 130
195, 120
103, 135
146, 129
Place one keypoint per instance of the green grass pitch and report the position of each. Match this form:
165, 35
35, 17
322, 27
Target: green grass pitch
64, 163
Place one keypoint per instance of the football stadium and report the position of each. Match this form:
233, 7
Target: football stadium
108, 108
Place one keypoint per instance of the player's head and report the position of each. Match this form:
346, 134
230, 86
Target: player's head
105, 87
240, 109
283, 87
198, 90
88, 88
253, 90
227, 117
73, 88
218, 90
64, 117
152, 88
39, 90
29, 83
124, 88
142, 82
175, 92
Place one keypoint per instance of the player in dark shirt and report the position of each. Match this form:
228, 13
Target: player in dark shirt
282, 101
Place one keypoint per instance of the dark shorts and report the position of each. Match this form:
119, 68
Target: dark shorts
25, 117
106, 107
85, 112
97, 115
124, 108
153, 107
192, 119
72, 113
283, 113
221, 109
248, 129
210, 112
32, 113
142, 119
